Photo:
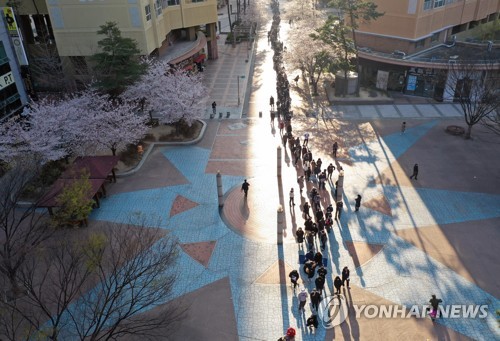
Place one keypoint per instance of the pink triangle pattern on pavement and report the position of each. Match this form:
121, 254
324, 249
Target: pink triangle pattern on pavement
200, 252
181, 204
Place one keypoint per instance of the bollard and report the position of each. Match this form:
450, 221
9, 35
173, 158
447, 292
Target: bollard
219, 189
220, 115
260, 113
340, 186
279, 215
228, 114
278, 150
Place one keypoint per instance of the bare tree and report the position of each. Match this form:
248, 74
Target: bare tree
135, 274
475, 86
96, 286
492, 122
22, 230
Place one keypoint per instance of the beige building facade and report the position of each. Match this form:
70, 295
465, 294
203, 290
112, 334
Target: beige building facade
413, 45
415, 25
68, 28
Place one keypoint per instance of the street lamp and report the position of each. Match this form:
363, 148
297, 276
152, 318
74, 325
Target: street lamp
238, 78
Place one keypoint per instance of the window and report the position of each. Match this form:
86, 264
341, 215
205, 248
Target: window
438, 3
173, 2
158, 8
427, 4
147, 9
435, 37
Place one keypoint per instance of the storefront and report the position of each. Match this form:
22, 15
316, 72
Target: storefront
193, 59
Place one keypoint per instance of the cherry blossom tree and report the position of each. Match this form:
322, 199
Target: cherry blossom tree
38, 131
170, 95
113, 124
82, 124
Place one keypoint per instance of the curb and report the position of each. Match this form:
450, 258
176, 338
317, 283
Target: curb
154, 144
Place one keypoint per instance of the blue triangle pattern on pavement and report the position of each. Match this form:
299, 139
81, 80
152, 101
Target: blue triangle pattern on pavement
452, 207
190, 161
399, 143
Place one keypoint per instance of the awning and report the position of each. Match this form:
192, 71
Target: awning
201, 41
200, 58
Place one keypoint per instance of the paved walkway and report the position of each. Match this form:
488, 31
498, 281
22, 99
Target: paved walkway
412, 238
385, 263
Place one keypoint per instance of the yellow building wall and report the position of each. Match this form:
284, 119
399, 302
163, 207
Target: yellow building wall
397, 22
199, 13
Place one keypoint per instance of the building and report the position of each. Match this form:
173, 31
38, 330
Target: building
12, 90
412, 45
60, 35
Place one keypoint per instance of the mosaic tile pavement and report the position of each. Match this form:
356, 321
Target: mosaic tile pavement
387, 265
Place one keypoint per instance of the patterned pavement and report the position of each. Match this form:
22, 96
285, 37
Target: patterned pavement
240, 242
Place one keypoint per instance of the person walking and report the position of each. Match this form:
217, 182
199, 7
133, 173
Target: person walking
315, 297
296, 153
306, 209
302, 299
294, 277
330, 170
273, 116
291, 202
358, 203
415, 172
271, 102
312, 321
335, 147
322, 271
345, 276
299, 235
306, 139
244, 187
322, 181
214, 107
323, 237
337, 283
318, 258
309, 269
434, 302
338, 211
403, 128
320, 283
310, 240
281, 125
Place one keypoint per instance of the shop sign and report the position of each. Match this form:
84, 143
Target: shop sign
6, 80
412, 83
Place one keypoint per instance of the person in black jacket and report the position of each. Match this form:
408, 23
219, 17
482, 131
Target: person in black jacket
318, 258
315, 297
337, 283
300, 235
312, 321
358, 202
345, 276
320, 283
322, 271
245, 186
415, 172
294, 277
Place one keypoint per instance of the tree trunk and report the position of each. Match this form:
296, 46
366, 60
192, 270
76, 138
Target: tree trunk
468, 132
113, 150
